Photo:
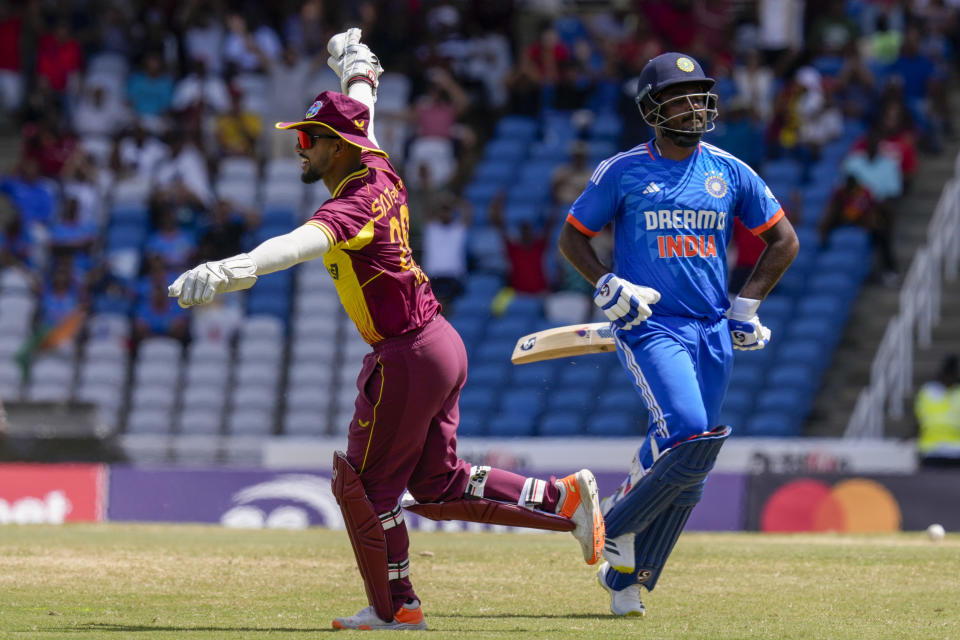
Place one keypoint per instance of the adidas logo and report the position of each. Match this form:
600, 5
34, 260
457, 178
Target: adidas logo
653, 187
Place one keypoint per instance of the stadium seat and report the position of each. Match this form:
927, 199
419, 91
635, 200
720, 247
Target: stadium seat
614, 423
509, 424
813, 353
476, 401
471, 425
491, 375
772, 424
523, 402
203, 398
308, 399
149, 420
249, 421
200, 420
539, 375
516, 128
160, 349
105, 350
298, 422
561, 423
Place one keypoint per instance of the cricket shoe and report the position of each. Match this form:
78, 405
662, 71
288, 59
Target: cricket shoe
580, 502
625, 602
408, 616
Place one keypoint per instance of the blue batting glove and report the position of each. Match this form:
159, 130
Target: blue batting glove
624, 303
747, 332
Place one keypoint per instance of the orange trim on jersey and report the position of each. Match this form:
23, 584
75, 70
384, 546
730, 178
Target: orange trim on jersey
579, 226
352, 176
324, 228
649, 153
373, 418
769, 223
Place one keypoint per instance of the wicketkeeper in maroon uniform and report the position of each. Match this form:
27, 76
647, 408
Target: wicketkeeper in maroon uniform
403, 432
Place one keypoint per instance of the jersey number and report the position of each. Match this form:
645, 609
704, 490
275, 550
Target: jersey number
400, 235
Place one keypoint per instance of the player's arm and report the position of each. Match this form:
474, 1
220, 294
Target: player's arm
358, 69
782, 247
624, 303
200, 284
747, 331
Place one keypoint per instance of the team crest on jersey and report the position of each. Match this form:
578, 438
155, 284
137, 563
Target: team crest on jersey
314, 108
716, 185
685, 64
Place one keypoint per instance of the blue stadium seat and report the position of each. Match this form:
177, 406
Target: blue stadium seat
794, 403
130, 214
126, 236
516, 213
490, 375
280, 217
739, 400
507, 425
849, 238
561, 423
776, 306
516, 127
570, 400
821, 328
469, 327
607, 127
615, 423
483, 283
842, 261
526, 307
772, 424
813, 353
495, 171
476, 306
792, 284
801, 378
508, 327
268, 303
472, 425
278, 282
746, 375
581, 374
494, 350
821, 304
536, 374
523, 402
506, 150
482, 191
476, 401
843, 283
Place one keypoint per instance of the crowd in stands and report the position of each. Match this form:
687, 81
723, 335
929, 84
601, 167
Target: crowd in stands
150, 102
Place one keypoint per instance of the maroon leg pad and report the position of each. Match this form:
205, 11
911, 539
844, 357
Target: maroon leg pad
492, 512
366, 535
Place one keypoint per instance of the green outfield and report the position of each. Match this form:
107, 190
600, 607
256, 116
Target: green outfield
123, 581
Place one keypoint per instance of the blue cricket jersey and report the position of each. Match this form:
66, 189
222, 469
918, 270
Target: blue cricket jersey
673, 220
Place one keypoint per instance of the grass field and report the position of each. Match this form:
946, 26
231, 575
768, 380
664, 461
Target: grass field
144, 582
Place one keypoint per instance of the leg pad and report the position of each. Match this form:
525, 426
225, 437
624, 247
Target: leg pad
366, 535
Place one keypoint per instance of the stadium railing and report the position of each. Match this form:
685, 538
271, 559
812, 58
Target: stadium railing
891, 374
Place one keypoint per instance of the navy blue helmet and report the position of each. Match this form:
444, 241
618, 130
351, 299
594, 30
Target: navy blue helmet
668, 70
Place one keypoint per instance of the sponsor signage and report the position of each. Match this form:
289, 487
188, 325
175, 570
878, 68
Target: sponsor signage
51, 494
854, 502
299, 499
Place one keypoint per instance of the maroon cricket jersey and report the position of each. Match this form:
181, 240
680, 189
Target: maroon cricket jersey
367, 220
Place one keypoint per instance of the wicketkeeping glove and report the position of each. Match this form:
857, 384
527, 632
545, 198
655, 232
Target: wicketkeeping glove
353, 61
745, 328
624, 303
200, 284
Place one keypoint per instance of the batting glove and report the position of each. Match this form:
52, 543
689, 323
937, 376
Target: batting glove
353, 61
624, 303
200, 284
745, 328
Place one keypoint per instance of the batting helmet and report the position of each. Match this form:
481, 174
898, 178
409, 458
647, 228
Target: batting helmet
667, 70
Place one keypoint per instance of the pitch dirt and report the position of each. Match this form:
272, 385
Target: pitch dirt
116, 582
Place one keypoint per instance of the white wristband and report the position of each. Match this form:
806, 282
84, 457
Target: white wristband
744, 308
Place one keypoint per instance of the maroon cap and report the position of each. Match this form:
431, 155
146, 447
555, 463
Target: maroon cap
344, 116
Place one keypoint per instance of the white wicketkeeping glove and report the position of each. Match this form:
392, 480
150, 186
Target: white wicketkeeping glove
624, 303
200, 284
353, 61
745, 328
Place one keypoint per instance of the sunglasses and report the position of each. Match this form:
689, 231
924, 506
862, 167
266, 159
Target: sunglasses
306, 140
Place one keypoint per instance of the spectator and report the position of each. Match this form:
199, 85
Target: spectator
150, 92
99, 113
244, 47
15, 246
61, 297
50, 143
289, 79
306, 30
855, 85
79, 181
937, 410
183, 176
780, 33
158, 315
878, 172
526, 251
917, 76
238, 129
738, 134
547, 54
201, 93
221, 234
72, 236
852, 204
897, 139
139, 154
445, 247
33, 196
437, 132
754, 82
570, 179
171, 244
59, 57
11, 74
203, 36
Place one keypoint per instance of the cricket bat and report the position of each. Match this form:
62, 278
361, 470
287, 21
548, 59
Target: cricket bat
564, 342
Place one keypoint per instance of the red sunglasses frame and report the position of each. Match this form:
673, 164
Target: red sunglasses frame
306, 140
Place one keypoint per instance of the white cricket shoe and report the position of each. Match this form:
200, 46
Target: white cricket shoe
619, 552
409, 616
625, 602
580, 502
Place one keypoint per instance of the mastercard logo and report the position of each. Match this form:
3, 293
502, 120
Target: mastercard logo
811, 505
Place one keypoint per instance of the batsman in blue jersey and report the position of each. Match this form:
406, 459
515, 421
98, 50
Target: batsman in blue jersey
672, 201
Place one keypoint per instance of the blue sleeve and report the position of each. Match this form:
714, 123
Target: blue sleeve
757, 207
599, 202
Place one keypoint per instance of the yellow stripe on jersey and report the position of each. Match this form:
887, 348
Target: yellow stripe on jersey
359, 173
348, 285
373, 419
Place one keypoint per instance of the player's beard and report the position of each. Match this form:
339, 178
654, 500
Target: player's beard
691, 139
310, 175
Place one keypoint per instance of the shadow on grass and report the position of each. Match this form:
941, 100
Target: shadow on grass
532, 616
143, 628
